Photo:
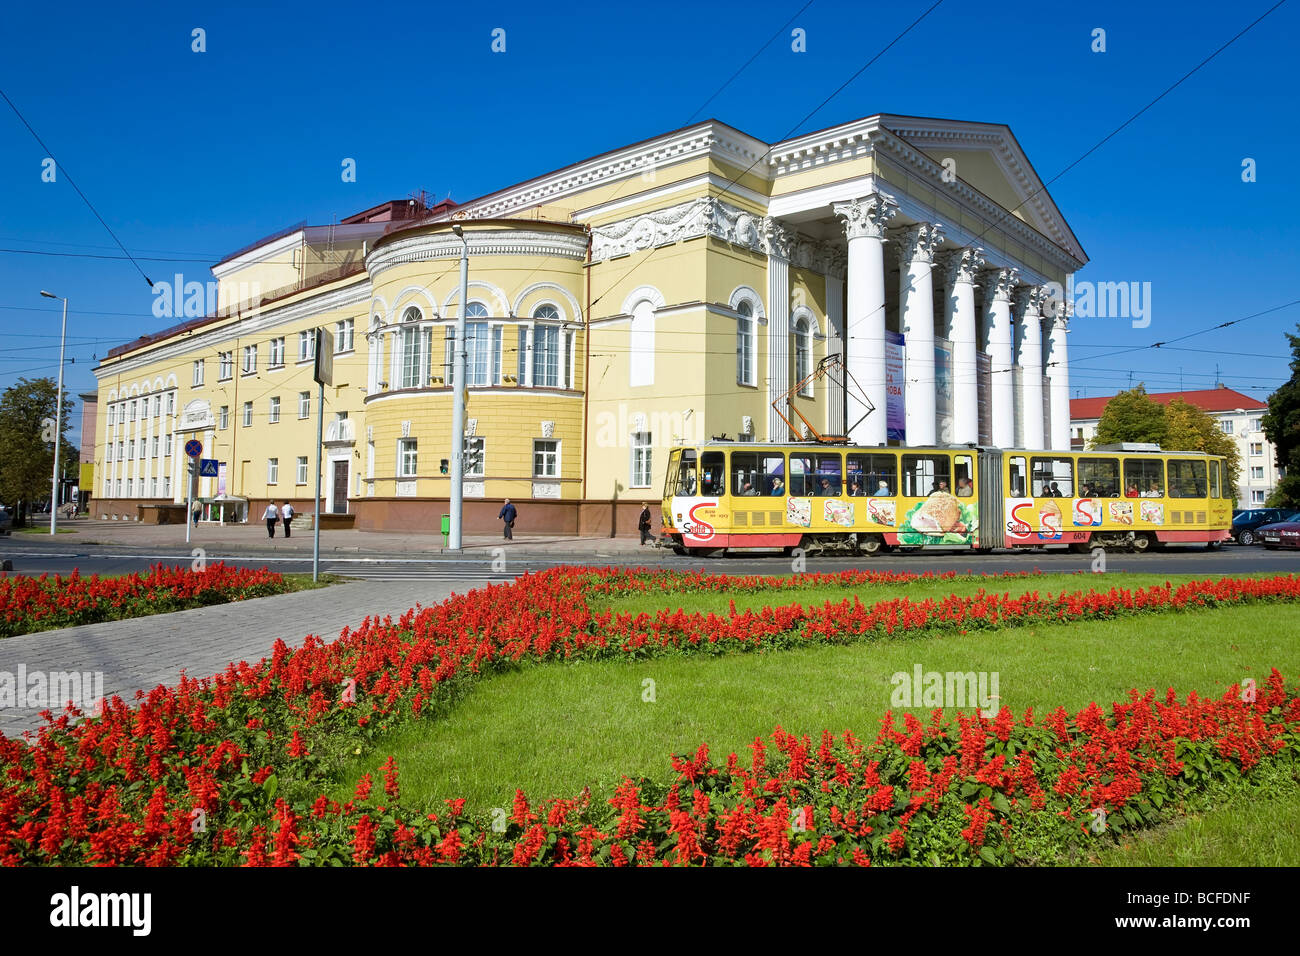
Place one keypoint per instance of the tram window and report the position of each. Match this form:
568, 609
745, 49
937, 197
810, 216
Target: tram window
686, 474
1214, 479
1016, 467
670, 476
745, 477
773, 472
926, 475
828, 476
1228, 491
1186, 478
874, 475
713, 473
1099, 478
964, 471
1052, 477
1144, 477
802, 481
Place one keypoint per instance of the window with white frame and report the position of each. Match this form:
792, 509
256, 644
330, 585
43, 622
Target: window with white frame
275, 409
641, 462
171, 403
130, 449
120, 446
225, 365
803, 355
223, 417
343, 335
521, 356
167, 486
154, 446
304, 404
111, 409
411, 342
1257, 448
272, 471
157, 404
153, 487
1257, 497
248, 414
546, 348
745, 344
144, 447
546, 458
276, 358
109, 454
1256, 473
407, 458
250, 360
306, 345
167, 444
1256, 424
1226, 426
301, 477
132, 409
130, 487
198, 373
475, 458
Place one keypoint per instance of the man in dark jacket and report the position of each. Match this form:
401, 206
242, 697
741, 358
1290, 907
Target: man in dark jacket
643, 523
507, 514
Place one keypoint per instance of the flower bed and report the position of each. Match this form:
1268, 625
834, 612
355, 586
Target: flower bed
230, 769
30, 604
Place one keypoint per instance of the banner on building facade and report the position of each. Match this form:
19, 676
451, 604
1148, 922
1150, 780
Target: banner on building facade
943, 391
221, 480
984, 375
895, 414
1017, 407
1047, 412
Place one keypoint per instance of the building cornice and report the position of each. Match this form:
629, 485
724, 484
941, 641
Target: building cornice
425, 247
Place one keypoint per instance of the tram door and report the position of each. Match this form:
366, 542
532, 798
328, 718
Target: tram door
992, 523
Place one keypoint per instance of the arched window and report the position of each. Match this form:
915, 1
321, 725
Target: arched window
414, 351
802, 355
745, 344
482, 347
546, 347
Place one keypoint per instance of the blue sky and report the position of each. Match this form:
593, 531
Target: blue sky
189, 156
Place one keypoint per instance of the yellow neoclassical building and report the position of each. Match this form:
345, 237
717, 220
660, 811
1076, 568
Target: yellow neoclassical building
676, 289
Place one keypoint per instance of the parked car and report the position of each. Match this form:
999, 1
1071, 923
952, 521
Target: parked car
1246, 524
6, 522
1283, 534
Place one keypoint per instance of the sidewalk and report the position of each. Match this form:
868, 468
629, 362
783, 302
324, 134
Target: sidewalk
216, 540
141, 653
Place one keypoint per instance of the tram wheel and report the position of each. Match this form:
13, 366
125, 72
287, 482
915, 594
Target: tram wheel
871, 546
1141, 543
1213, 545
678, 549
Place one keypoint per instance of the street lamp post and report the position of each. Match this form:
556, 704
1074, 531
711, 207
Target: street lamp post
58, 419
458, 401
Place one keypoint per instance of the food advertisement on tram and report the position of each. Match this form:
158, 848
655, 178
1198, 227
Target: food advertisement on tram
940, 519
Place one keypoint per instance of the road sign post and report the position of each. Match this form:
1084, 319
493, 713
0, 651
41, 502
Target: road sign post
324, 375
193, 448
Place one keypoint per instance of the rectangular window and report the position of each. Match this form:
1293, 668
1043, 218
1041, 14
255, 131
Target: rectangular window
1257, 497
225, 365
167, 486
814, 475
198, 373
167, 444
153, 487
109, 455
641, 460
407, 458
1099, 478
1257, 448
475, 449
120, 446
924, 475
132, 407
1051, 477
276, 359
130, 487
478, 345
304, 404
119, 487
111, 410
1144, 477
154, 447
1187, 479
250, 360
1214, 479
1256, 424
248, 414
171, 403
521, 355
546, 356
143, 448
223, 417
683, 481
275, 409
546, 458
307, 345
713, 473
343, 336
157, 404
1226, 426
301, 477
130, 449
272, 471
412, 360
1256, 473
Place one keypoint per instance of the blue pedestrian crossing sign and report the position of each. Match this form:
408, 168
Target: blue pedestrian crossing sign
207, 468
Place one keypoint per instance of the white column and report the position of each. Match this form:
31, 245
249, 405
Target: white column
1056, 359
835, 342
778, 243
959, 271
1029, 356
916, 249
864, 225
998, 284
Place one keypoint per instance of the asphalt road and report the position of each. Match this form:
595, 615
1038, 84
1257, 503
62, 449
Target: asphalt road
48, 557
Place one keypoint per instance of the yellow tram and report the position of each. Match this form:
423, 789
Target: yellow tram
740, 495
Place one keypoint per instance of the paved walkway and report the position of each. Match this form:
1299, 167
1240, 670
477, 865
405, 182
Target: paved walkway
143, 652
252, 538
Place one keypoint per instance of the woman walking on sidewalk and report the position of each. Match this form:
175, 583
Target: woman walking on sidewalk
287, 513
643, 523
272, 517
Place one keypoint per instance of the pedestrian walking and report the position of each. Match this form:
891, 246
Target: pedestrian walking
508, 513
272, 517
643, 523
195, 510
287, 514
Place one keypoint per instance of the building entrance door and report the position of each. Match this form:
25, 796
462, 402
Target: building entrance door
339, 488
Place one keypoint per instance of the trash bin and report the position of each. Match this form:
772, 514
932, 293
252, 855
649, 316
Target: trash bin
446, 529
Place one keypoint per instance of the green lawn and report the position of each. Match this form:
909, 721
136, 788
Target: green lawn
551, 729
815, 595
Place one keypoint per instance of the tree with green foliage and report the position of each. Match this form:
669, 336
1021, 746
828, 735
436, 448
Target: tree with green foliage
1132, 417
1194, 429
1282, 427
27, 433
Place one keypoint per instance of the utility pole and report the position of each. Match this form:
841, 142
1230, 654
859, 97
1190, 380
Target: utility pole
58, 419
458, 400
324, 375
